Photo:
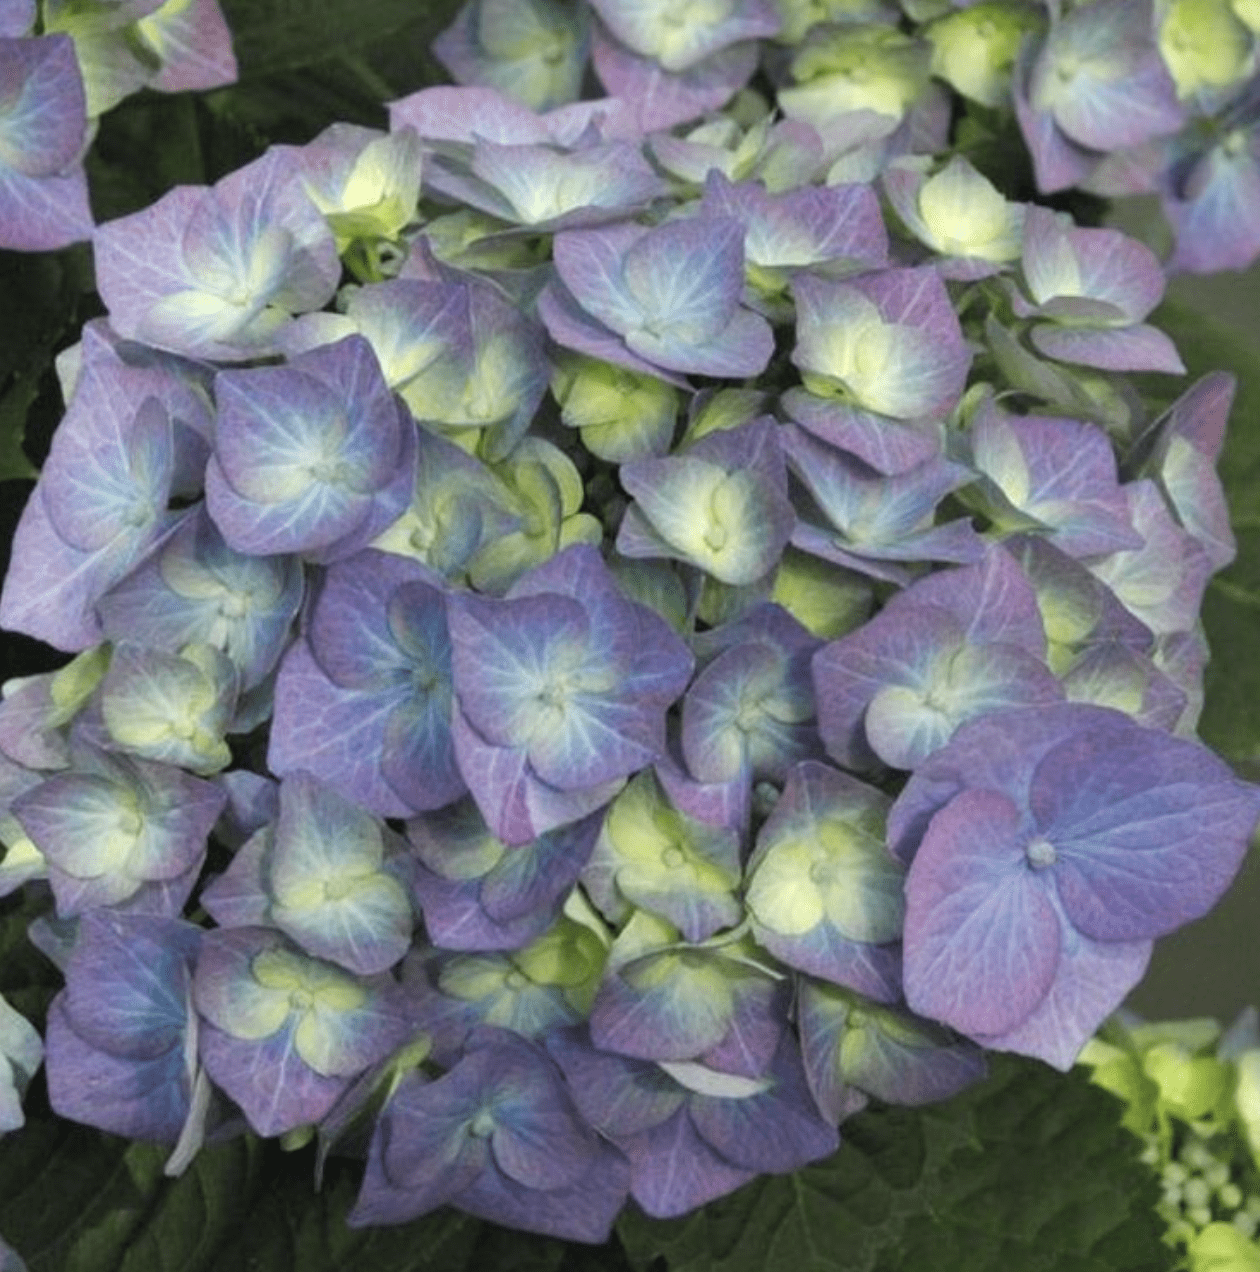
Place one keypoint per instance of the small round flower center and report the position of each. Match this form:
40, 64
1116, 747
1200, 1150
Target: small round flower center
1040, 854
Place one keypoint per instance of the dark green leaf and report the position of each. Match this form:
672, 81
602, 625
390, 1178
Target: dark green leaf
278, 35
146, 145
74, 1200
43, 302
71, 1197
1029, 1171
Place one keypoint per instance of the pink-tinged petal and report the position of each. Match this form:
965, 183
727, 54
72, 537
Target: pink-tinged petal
1180, 452
239, 897
546, 188
673, 1170
1113, 675
17, 18
723, 505
468, 114
315, 456
995, 752
1094, 978
1058, 161
39, 214
891, 338
274, 1087
1148, 830
653, 31
143, 1098
662, 99
1137, 348
591, 265
982, 938
43, 123
880, 515
1064, 261
1216, 215
993, 599
839, 226
195, 45
1162, 582
51, 588
569, 325
888, 650
889, 446
1059, 472
905, 724
1101, 76
118, 822
535, 52
742, 348
775, 1131
686, 277
219, 272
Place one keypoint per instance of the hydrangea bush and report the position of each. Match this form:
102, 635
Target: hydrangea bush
642, 608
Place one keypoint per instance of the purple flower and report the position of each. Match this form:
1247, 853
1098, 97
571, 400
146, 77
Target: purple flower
327, 874
561, 691
124, 448
658, 299
1095, 84
691, 1133
284, 1034
119, 831
122, 1035
43, 134
364, 700
720, 504
497, 1136
315, 456
952, 646
1047, 849
219, 272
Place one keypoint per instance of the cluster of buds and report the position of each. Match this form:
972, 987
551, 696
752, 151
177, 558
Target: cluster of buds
1192, 1096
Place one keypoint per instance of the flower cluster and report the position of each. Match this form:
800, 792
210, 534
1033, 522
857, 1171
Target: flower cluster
608, 636
1192, 1095
1117, 97
63, 64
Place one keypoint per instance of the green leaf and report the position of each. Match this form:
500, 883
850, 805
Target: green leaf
143, 147
27, 979
75, 1200
71, 1197
277, 35
43, 295
1030, 1171
1231, 609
